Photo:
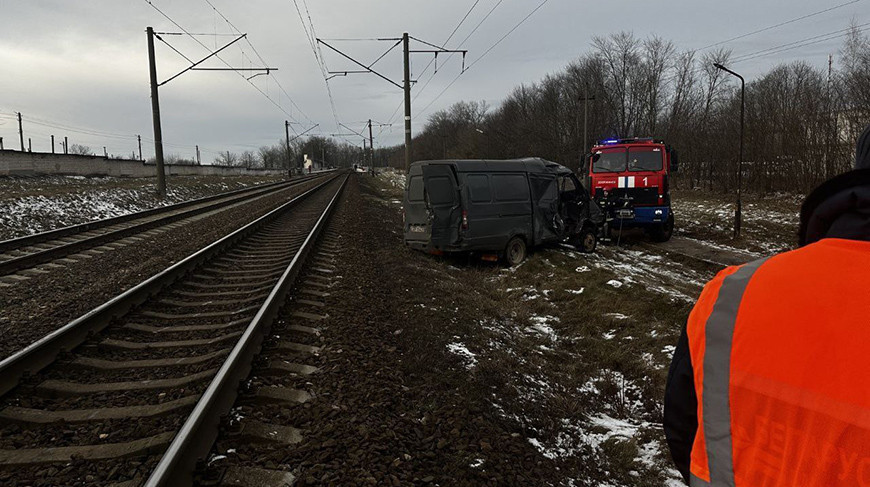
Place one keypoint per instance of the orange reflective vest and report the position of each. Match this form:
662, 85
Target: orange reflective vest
780, 350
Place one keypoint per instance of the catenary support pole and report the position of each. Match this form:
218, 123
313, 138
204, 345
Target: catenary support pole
29, 146
287, 143
52, 144
371, 146
405, 44
155, 111
65, 144
139, 138
20, 132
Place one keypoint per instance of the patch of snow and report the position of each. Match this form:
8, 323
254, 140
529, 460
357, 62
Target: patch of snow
576, 291
614, 283
460, 349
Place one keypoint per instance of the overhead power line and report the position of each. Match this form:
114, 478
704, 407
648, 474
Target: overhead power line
426, 68
176, 24
787, 22
485, 53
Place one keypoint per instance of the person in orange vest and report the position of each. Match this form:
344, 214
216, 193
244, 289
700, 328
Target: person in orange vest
768, 386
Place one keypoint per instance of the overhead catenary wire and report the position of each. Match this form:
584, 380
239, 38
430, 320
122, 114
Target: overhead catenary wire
260, 57
426, 68
170, 19
485, 53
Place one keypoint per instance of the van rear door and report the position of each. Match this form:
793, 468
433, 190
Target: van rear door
443, 204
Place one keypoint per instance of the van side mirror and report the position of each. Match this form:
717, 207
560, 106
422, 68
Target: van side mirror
675, 161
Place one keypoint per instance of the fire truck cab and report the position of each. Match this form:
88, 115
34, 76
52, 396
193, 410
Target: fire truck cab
628, 178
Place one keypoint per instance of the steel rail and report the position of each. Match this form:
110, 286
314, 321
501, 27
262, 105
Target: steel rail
194, 441
33, 259
44, 351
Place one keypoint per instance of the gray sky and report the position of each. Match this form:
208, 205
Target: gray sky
84, 64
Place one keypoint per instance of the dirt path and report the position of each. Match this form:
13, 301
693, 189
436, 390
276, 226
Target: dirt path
713, 254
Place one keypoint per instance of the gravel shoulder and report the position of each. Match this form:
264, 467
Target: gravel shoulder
32, 308
31, 205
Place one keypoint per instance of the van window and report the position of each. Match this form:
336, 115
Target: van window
478, 188
544, 188
440, 190
510, 187
415, 189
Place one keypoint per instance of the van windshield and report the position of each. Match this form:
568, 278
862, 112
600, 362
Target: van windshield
609, 160
644, 159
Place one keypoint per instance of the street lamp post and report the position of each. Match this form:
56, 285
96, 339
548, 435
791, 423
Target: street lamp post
738, 210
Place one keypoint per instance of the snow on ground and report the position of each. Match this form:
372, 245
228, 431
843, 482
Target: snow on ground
394, 177
458, 348
34, 205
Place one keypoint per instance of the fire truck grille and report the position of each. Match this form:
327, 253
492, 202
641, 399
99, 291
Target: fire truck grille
638, 196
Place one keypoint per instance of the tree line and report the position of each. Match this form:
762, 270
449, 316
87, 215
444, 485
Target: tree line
321, 150
801, 121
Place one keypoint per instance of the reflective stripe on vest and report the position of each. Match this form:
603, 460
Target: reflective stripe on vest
719, 332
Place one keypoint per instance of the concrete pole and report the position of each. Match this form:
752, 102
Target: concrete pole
20, 132
287, 143
52, 144
371, 146
407, 56
65, 145
155, 112
139, 138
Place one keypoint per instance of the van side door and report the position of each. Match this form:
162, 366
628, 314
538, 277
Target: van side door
545, 196
443, 204
514, 206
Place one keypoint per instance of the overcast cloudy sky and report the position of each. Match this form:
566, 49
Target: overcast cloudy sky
83, 64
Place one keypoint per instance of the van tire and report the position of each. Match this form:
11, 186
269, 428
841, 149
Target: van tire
664, 231
587, 240
515, 251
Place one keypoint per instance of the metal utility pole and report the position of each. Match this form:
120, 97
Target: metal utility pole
139, 138
29, 147
52, 144
371, 146
20, 132
407, 57
738, 211
65, 144
287, 142
155, 113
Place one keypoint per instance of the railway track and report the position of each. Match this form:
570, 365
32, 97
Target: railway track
28, 252
132, 392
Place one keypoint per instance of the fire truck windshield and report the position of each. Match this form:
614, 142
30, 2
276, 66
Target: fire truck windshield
644, 159
609, 160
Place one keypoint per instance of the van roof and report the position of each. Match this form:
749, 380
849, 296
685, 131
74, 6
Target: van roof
528, 164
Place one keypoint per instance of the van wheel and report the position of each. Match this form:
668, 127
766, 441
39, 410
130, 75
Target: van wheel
587, 240
515, 252
664, 231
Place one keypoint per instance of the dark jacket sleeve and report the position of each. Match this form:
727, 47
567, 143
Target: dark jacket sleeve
681, 407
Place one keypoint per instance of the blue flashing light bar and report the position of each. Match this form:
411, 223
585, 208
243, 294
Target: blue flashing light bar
610, 141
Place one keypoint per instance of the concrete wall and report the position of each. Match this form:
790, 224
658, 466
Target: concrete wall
17, 163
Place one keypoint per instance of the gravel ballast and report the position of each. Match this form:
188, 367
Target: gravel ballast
30, 309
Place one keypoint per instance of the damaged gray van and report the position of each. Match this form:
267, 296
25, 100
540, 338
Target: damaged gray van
497, 207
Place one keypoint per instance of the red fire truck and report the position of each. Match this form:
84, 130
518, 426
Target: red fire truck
628, 178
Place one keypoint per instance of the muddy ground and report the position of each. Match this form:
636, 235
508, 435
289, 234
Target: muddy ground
458, 372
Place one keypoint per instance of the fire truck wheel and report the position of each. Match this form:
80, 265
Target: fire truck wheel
663, 232
586, 241
515, 251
